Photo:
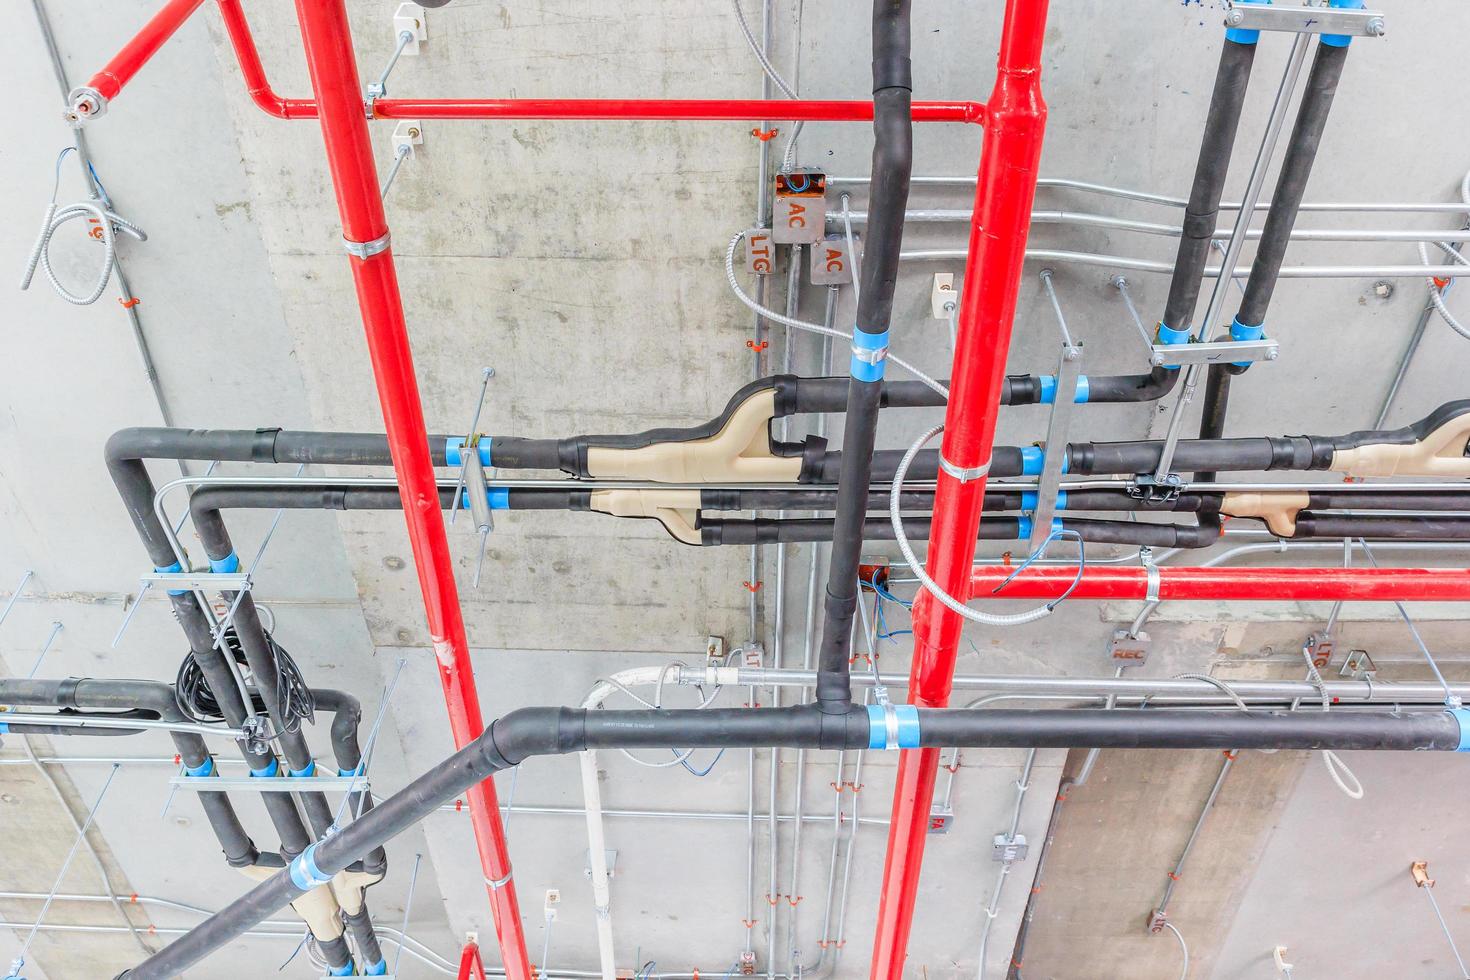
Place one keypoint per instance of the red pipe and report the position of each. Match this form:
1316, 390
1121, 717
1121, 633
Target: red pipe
802, 110
471, 967
1231, 584
334, 78
253, 71
144, 45
1009, 162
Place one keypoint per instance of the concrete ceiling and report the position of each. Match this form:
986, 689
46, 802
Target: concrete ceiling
582, 261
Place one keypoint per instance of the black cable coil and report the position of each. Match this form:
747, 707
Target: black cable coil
198, 702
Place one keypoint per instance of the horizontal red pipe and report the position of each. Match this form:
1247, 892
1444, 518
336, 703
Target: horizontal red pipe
144, 45
1231, 584
747, 110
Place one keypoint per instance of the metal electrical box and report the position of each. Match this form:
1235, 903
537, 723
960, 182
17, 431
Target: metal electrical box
760, 252
799, 214
831, 265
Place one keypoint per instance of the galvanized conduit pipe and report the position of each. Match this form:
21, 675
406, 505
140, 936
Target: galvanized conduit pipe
1123, 263
540, 731
993, 908
891, 167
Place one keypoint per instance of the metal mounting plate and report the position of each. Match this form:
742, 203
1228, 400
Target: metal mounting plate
272, 784
206, 581
1218, 352
1306, 20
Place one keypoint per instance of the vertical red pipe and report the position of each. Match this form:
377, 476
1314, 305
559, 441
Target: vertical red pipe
333, 68
1010, 157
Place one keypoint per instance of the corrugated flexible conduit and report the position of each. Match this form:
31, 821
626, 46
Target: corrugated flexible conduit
1436, 291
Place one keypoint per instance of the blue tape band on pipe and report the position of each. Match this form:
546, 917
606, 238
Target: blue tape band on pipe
306, 875
228, 565
1049, 389
1244, 331
1341, 40
351, 772
1241, 35
309, 771
1462, 715
170, 569
205, 768
268, 772
1024, 526
4, 728
1031, 498
908, 727
861, 369
499, 498
378, 969
1033, 458
454, 444
342, 971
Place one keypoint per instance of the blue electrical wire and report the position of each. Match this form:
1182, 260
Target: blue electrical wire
707, 769
883, 632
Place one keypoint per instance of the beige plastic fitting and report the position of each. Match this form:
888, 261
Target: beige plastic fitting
675, 509
318, 908
739, 453
1278, 509
1441, 453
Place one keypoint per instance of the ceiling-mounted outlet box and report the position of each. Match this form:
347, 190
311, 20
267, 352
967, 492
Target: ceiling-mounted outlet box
799, 214
409, 18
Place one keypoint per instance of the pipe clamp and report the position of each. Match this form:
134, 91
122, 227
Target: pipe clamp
364, 250
497, 883
962, 473
893, 726
1151, 591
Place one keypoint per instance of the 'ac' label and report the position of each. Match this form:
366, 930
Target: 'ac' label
799, 214
831, 265
760, 252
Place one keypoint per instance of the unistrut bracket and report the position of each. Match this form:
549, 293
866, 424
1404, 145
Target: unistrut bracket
1306, 20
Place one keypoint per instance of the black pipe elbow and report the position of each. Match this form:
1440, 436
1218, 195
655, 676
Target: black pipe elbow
528, 732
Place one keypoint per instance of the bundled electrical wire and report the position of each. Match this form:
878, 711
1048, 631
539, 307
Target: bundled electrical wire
198, 702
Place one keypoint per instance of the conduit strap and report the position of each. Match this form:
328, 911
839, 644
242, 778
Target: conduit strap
964, 474
1462, 715
366, 250
304, 872
869, 351
893, 726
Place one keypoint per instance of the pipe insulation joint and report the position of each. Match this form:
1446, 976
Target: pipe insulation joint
1241, 35
893, 726
1049, 389
454, 444
1462, 716
1341, 40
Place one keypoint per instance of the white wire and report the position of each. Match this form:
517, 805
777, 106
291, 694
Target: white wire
788, 158
655, 704
974, 615
795, 324
1336, 768
108, 224
1435, 297
1183, 948
852, 256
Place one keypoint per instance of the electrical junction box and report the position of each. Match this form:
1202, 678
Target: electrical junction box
940, 820
1008, 849
760, 252
831, 265
799, 214
1130, 650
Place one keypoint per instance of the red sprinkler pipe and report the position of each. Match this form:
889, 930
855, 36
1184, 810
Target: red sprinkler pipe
144, 45
471, 967
1009, 162
1231, 584
329, 58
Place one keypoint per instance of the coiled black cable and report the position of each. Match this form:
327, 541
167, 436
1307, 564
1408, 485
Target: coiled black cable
198, 702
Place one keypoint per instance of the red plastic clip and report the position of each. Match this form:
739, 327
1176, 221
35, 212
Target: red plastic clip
749, 923
795, 902
1005, 559
133, 898
952, 769
1173, 876
754, 587
1230, 753
458, 805
178, 759
764, 135
1440, 282
749, 705
772, 901
129, 303
757, 347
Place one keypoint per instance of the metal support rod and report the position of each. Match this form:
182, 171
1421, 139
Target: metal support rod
413, 880
1253, 188
15, 596
379, 88
1427, 887
20, 957
56, 628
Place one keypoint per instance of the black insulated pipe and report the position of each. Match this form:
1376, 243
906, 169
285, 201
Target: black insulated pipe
1291, 185
1221, 122
552, 731
893, 158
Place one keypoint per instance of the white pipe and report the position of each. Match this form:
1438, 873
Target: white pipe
592, 802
